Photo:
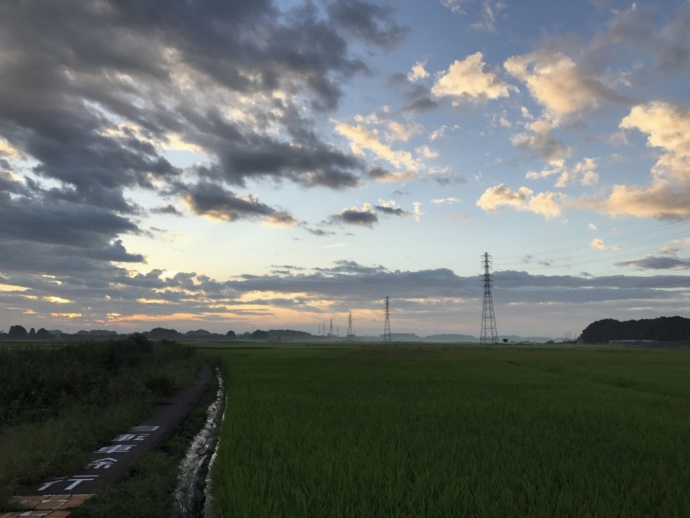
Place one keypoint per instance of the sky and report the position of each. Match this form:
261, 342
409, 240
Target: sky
249, 164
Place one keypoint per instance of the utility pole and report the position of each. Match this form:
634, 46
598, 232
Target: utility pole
488, 335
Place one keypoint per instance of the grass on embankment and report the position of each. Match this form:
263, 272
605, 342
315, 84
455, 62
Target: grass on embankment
148, 488
428, 431
59, 404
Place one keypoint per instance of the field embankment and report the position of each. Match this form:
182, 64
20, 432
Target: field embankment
455, 431
59, 403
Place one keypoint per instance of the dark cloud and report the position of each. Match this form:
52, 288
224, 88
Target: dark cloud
210, 200
658, 263
418, 97
364, 218
421, 105
542, 144
379, 173
60, 260
79, 225
637, 31
319, 232
169, 209
391, 211
90, 90
446, 179
367, 21
352, 268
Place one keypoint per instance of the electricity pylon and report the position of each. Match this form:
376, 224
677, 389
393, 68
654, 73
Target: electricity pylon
350, 335
387, 338
488, 335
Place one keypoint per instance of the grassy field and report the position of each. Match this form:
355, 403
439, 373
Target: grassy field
454, 431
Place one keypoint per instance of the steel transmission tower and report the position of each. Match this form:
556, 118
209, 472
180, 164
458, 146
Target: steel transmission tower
387, 338
350, 335
489, 335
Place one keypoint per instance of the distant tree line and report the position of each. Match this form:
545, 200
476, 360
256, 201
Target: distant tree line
662, 329
18, 332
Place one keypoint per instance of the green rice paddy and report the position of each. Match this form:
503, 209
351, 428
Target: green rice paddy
454, 431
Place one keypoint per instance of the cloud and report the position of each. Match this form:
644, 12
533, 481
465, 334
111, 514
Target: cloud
485, 10
489, 8
454, 5
418, 71
380, 174
94, 107
546, 204
439, 201
169, 209
426, 152
361, 138
470, 80
657, 263
667, 196
367, 21
400, 132
391, 211
598, 244
217, 204
637, 30
667, 127
542, 142
582, 173
555, 82
365, 217
441, 132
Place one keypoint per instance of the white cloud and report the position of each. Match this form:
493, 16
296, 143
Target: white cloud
441, 132
556, 83
439, 201
398, 131
598, 244
667, 127
668, 195
361, 138
426, 152
592, 226
454, 5
546, 204
525, 113
470, 80
582, 173
418, 71
6, 149
417, 212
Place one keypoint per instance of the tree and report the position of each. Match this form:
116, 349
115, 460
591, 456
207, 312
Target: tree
231, 334
17, 332
260, 335
43, 334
